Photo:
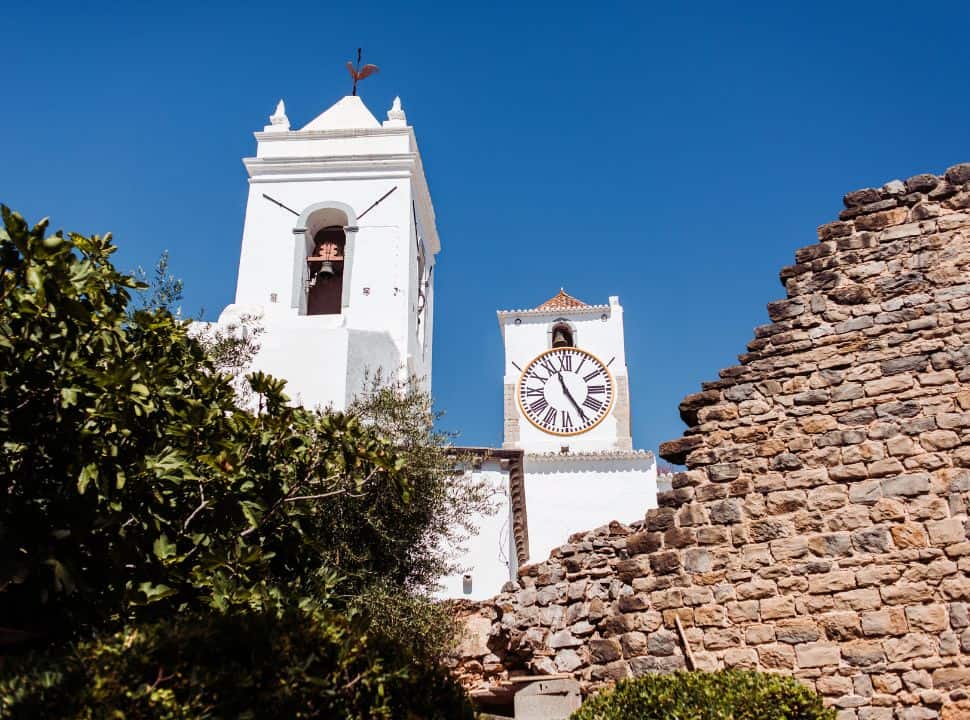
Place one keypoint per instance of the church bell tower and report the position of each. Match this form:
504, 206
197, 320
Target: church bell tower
338, 252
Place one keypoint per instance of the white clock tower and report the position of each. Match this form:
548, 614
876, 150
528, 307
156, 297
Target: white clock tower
338, 252
567, 406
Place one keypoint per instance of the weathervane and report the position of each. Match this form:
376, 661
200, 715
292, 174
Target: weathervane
359, 73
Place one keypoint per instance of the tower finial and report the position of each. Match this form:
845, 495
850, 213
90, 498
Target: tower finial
396, 116
278, 122
359, 73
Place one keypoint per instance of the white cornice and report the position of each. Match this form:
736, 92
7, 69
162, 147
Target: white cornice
330, 134
315, 163
559, 457
564, 312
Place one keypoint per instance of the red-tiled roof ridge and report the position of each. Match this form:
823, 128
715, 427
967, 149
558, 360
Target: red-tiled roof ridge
562, 301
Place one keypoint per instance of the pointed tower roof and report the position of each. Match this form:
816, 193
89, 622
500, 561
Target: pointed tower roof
348, 113
562, 301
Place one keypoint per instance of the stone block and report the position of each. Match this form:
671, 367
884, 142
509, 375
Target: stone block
891, 621
797, 631
767, 530
860, 599
946, 532
633, 644
777, 656
662, 642
909, 535
831, 582
659, 665
564, 639
725, 512
756, 589
872, 540
547, 700
567, 660
831, 544
906, 593
906, 485
912, 645
878, 575
863, 653
665, 562
777, 608
604, 651
817, 654
722, 638
643, 542
741, 658
827, 498
936, 440
952, 678
928, 618
759, 634
843, 625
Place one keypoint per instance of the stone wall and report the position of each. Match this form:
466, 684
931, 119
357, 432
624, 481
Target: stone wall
821, 526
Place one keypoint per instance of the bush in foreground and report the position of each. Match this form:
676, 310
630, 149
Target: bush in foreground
724, 695
316, 664
168, 551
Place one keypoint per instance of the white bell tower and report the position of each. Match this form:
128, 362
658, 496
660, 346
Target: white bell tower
338, 252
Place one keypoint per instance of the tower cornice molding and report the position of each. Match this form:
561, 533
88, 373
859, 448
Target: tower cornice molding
402, 162
272, 137
554, 312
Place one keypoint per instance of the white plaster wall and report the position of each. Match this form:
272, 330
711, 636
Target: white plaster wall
381, 256
489, 556
602, 338
570, 495
323, 358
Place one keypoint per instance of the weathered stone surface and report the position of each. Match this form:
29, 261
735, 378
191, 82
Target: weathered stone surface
604, 651
817, 654
820, 528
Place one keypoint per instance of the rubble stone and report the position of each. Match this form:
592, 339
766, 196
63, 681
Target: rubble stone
820, 528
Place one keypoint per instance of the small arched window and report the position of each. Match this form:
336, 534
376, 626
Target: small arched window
325, 268
562, 335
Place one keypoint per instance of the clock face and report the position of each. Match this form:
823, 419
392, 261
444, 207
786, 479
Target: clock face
565, 391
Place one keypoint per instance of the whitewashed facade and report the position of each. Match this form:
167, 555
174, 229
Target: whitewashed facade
337, 266
574, 477
323, 178
585, 479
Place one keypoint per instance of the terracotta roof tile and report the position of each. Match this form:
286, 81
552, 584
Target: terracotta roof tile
561, 301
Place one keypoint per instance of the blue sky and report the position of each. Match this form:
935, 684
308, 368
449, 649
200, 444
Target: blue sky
673, 154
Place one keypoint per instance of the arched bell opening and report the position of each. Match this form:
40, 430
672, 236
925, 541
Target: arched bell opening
325, 271
562, 335
320, 236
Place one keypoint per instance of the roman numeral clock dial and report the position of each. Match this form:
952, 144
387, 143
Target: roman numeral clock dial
565, 391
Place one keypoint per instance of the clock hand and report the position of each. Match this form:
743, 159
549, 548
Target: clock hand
569, 395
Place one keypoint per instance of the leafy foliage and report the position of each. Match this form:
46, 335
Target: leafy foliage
133, 483
242, 665
161, 290
724, 695
409, 541
137, 488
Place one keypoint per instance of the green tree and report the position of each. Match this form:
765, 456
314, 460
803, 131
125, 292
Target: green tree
137, 488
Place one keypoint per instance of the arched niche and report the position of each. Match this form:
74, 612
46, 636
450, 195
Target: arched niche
312, 226
562, 334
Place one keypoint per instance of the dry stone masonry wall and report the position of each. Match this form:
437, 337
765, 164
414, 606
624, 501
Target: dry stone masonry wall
821, 526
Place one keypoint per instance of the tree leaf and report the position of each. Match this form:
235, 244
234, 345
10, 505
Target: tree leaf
88, 473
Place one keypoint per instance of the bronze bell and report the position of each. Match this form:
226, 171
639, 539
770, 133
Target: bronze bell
561, 337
